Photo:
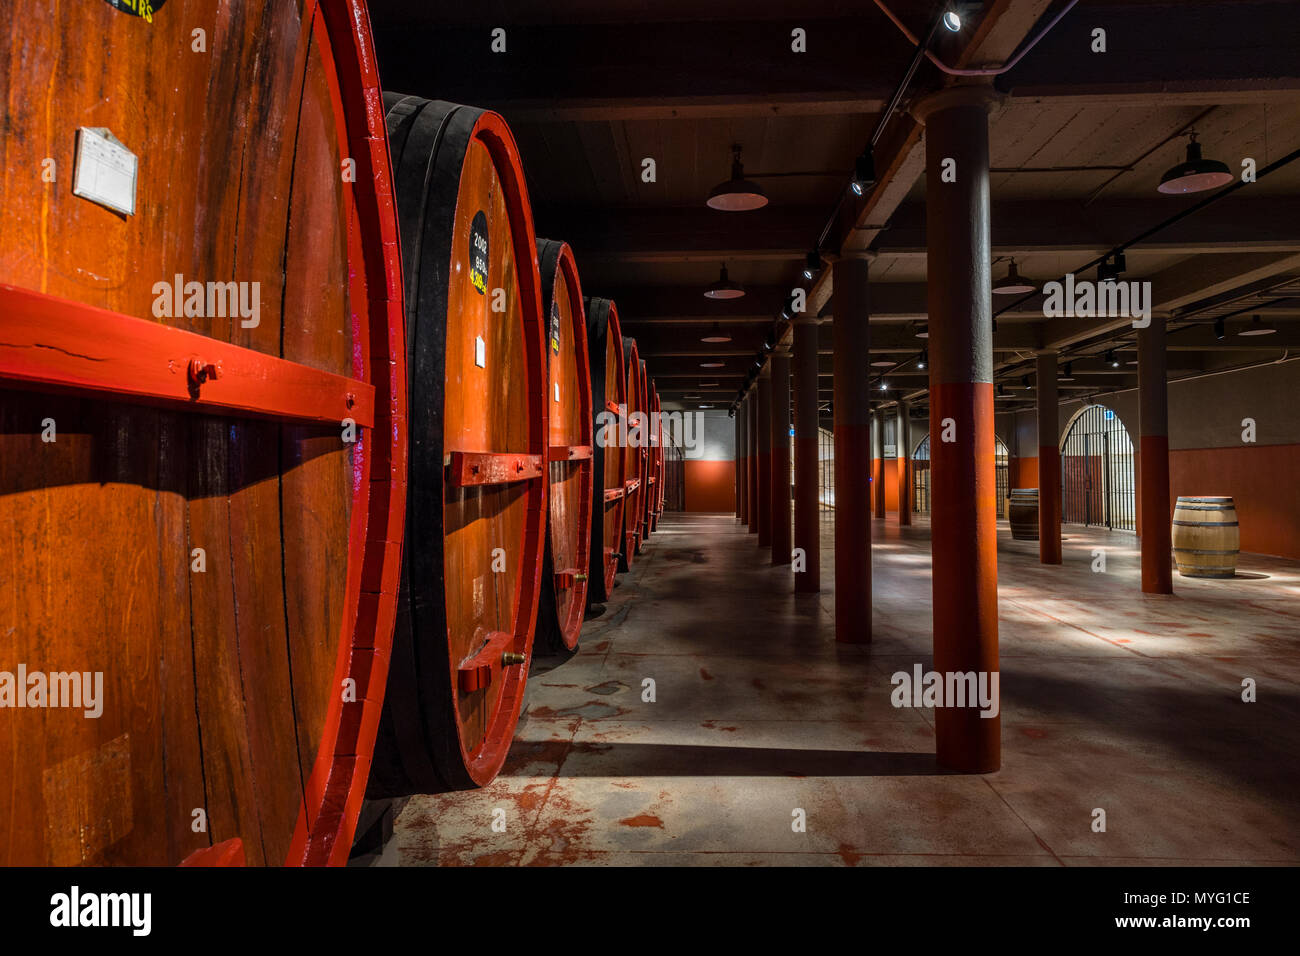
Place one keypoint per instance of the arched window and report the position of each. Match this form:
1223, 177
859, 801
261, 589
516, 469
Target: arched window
1097, 486
921, 475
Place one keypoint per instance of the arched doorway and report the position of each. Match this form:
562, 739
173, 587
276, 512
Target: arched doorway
1097, 486
921, 475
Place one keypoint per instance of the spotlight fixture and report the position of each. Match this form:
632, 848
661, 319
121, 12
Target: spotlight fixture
1067, 373
1024, 381
952, 20
724, 288
1013, 283
711, 364
737, 194
1195, 174
1002, 390
716, 335
1219, 329
1112, 267
864, 173
924, 359
1111, 360
1257, 327
995, 323
921, 331
884, 387
812, 262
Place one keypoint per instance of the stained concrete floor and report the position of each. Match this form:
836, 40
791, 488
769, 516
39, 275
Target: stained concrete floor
1110, 699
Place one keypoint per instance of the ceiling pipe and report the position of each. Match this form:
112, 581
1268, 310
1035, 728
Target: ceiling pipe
988, 71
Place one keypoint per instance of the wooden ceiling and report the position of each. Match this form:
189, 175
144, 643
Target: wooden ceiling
1077, 149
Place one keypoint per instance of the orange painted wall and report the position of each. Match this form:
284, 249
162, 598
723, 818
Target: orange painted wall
1023, 472
890, 478
1262, 480
710, 485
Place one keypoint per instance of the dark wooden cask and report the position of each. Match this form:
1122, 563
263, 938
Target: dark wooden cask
1022, 514
477, 468
201, 484
608, 397
635, 456
657, 458
569, 512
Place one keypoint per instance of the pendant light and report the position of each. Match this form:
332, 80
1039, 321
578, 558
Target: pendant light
1257, 327
712, 364
737, 194
921, 331
724, 288
716, 336
1013, 283
1195, 174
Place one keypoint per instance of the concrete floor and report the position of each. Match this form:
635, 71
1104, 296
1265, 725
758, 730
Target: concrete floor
1110, 700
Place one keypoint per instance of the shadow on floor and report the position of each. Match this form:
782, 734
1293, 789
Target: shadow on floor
692, 760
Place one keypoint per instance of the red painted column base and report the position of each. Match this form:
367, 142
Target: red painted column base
1049, 504
965, 570
904, 498
1155, 515
852, 534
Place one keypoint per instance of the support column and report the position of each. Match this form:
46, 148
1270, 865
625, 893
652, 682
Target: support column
1153, 460
963, 476
765, 456
903, 450
781, 456
878, 459
807, 507
751, 442
851, 306
742, 465
1049, 462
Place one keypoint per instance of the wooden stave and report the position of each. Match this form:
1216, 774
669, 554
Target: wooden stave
634, 460
200, 454
605, 339
1197, 562
421, 742
1023, 529
560, 618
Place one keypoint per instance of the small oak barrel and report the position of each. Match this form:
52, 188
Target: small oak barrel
1022, 512
635, 455
1206, 537
202, 432
569, 513
477, 474
608, 396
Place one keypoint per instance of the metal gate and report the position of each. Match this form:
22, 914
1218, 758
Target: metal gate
921, 475
1097, 485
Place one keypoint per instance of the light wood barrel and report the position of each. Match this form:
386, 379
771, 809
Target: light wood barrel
1206, 537
478, 472
1022, 513
201, 532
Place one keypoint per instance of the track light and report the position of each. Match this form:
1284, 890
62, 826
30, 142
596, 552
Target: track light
1257, 327
1067, 373
864, 173
995, 323
1112, 267
737, 194
924, 359
724, 288
1013, 283
1195, 174
921, 331
812, 262
1002, 390
1218, 329
952, 20
716, 335
1111, 360
884, 387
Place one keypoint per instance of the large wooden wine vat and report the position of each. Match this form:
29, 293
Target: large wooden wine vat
656, 502
608, 396
477, 475
201, 434
635, 454
569, 513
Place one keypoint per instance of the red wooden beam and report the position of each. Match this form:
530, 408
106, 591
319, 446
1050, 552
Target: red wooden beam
570, 452
480, 670
492, 468
61, 344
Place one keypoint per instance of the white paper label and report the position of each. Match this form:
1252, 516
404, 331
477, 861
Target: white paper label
557, 391
105, 170
480, 352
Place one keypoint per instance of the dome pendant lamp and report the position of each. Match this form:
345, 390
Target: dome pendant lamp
737, 194
1196, 174
724, 288
1013, 283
